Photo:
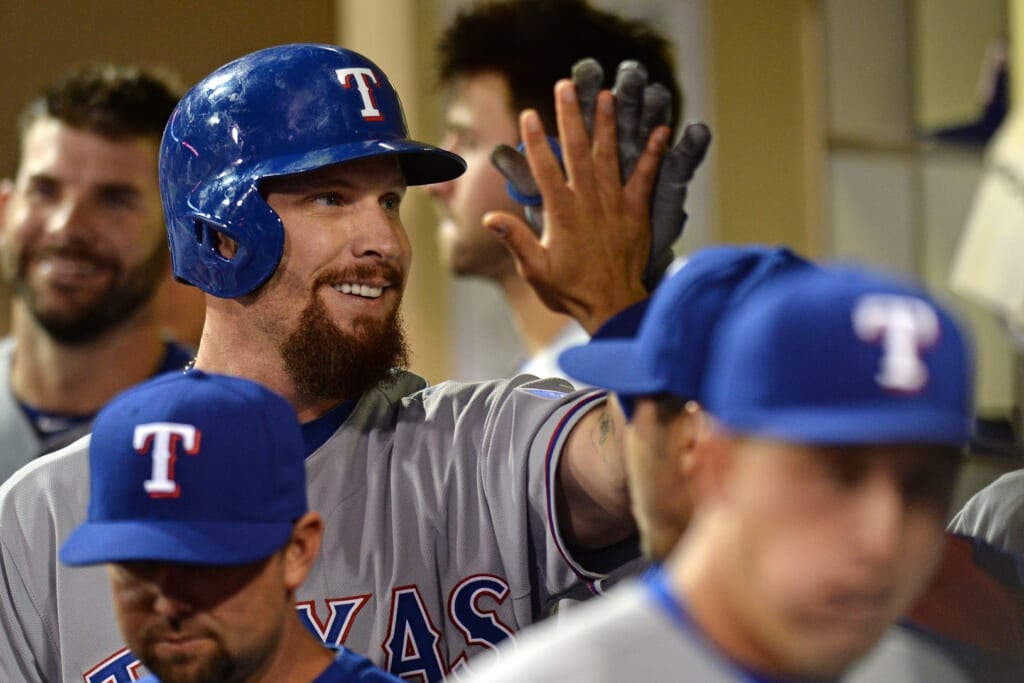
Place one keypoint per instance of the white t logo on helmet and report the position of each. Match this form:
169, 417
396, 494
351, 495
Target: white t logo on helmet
904, 325
162, 439
363, 79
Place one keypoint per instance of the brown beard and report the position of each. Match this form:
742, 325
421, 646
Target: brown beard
129, 290
217, 669
325, 361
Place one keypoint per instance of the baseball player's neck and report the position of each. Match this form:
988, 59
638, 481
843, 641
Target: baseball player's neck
297, 657
697, 575
240, 350
538, 325
79, 378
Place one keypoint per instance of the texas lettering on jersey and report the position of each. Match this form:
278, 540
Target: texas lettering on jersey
412, 649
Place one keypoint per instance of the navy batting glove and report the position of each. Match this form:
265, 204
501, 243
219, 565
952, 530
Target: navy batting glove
521, 186
668, 216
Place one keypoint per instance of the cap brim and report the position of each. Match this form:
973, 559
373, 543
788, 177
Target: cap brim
877, 425
611, 364
187, 542
422, 164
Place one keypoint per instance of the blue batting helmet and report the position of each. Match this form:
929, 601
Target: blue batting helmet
283, 110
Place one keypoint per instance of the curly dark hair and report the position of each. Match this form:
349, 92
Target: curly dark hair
533, 43
113, 100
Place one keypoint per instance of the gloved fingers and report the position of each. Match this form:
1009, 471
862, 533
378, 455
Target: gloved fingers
588, 76
521, 186
689, 152
674, 176
668, 217
630, 82
657, 109
656, 266
512, 164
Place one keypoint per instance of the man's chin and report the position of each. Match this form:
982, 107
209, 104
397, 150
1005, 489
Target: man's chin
327, 362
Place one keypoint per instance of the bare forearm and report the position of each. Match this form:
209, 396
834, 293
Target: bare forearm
592, 495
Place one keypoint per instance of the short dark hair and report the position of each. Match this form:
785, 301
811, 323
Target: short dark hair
669, 406
116, 101
533, 43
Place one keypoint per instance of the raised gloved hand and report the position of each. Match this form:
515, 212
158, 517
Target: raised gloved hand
640, 108
668, 215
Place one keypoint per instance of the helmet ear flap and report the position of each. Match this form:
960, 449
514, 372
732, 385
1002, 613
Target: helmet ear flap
209, 237
230, 258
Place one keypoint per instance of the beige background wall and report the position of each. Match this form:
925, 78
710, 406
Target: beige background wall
816, 107
39, 39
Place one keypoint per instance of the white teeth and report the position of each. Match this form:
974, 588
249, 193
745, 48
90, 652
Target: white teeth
66, 266
360, 290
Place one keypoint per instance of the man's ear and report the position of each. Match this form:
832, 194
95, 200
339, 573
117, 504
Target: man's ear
226, 246
711, 463
302, 549
692, 428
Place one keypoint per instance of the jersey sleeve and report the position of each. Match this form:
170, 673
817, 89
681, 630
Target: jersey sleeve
21, 632
57, 621
995, 514
525, 436
27, 581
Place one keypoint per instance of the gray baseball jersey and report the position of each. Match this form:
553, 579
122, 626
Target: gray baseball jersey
995, 513
441, 535
627, 636
20, 442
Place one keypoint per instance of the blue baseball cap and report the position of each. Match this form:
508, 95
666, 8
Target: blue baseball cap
669, 352
842, 356
195, 468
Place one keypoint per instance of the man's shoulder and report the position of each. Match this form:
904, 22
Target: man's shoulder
495, 390
1009, 486
350, 666
904, 655
592, 640
995, 513
59, 479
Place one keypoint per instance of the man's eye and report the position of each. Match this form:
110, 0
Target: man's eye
328, 199
391, 202
462, 141
42, 190
121, 199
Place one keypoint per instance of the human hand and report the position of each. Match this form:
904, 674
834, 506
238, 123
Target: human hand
588, 76
639, 109
589, 260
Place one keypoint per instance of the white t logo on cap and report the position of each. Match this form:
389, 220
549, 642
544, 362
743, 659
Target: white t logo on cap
161, 439
904, 325
363, 78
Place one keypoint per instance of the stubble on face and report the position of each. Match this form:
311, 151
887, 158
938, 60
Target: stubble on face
128, 291
479, 117
218, 667
325, 361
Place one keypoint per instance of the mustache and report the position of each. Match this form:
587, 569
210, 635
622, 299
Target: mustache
173, 629
384, 270
76, 250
